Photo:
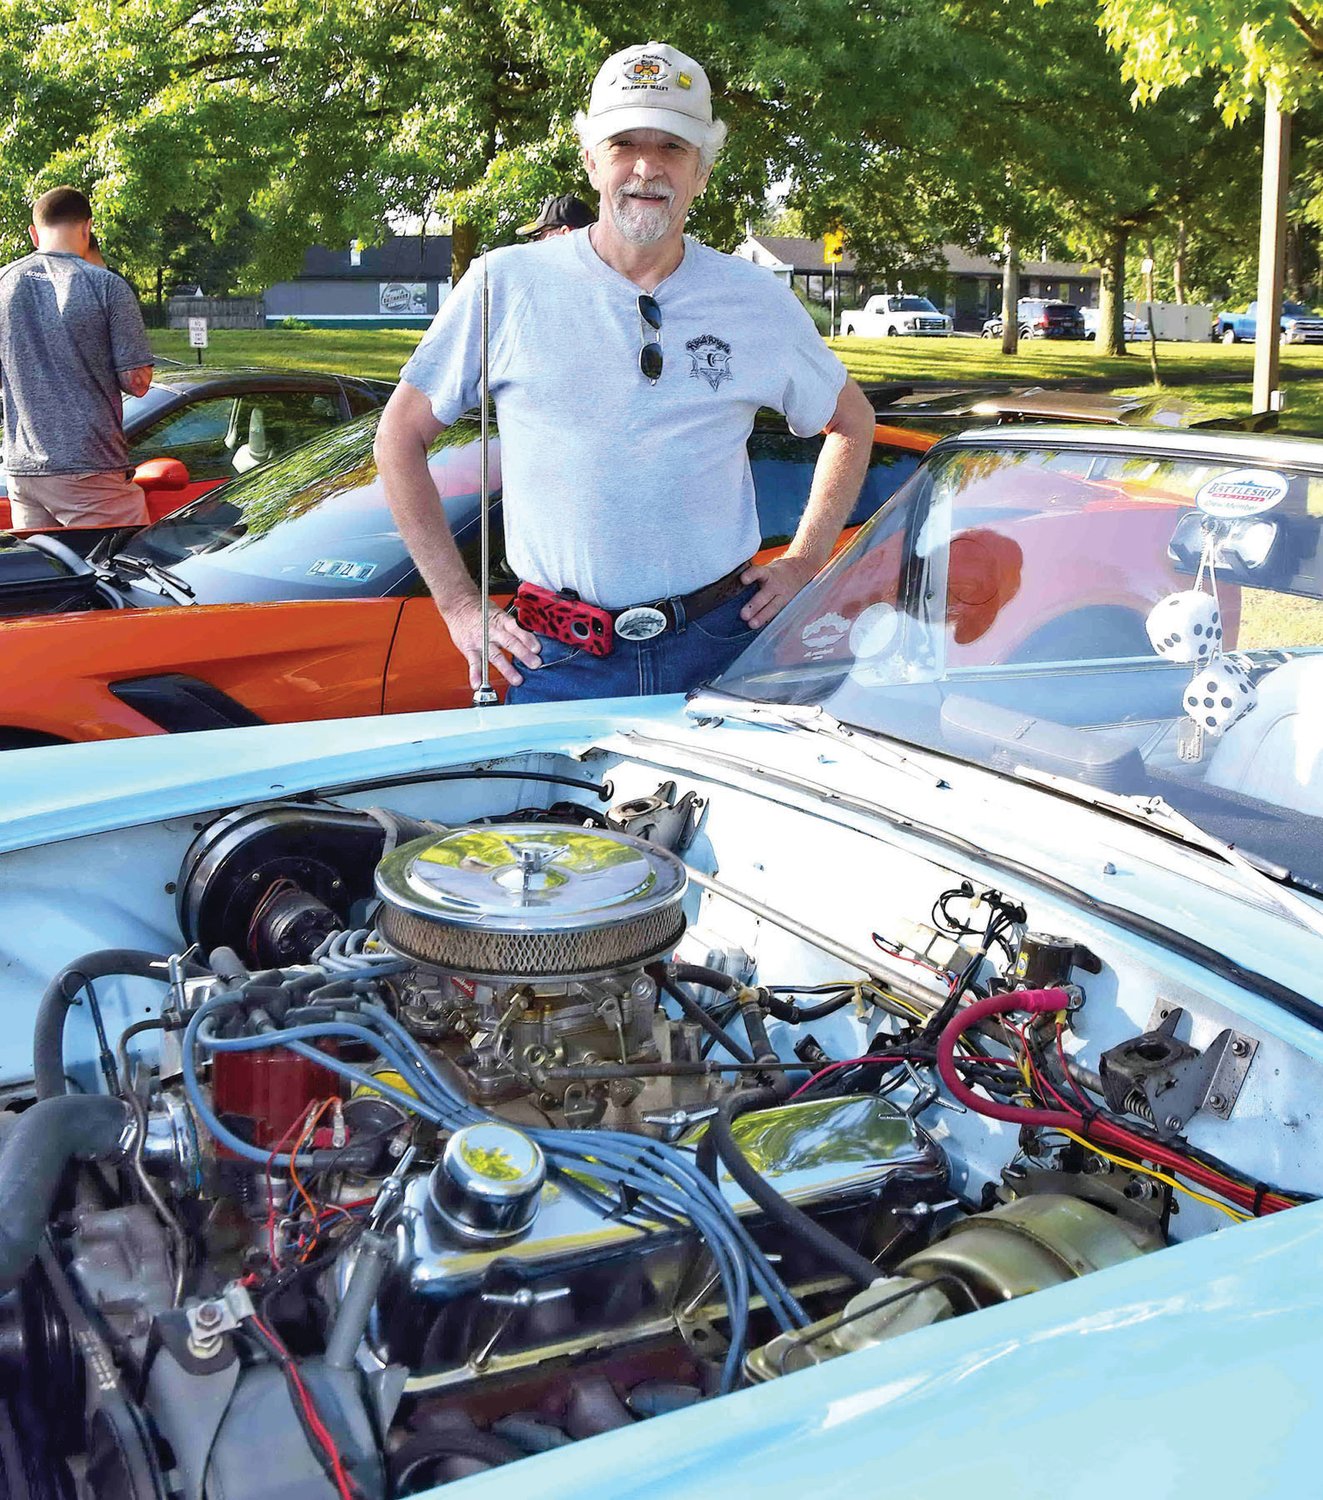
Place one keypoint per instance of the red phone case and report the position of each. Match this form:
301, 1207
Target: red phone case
568, 620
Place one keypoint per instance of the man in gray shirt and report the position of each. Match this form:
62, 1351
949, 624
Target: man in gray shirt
71, 340
628, 363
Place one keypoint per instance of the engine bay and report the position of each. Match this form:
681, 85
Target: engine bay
450, 1130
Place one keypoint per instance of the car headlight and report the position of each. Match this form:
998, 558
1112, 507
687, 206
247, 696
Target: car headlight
910, 323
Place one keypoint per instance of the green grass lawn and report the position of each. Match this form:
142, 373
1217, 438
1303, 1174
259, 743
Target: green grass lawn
351, 351
1215, 375
1212, 374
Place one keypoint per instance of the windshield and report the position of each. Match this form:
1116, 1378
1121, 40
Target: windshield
138, 408
911, 304
314, 524
1043, 606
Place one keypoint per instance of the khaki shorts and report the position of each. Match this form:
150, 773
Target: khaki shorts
38, 500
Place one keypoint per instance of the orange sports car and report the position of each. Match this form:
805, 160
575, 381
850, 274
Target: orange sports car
288, 595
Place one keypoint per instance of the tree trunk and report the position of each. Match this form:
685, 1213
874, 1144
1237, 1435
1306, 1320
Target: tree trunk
1148, 298
1294, 277
463, 247
1111, 304
1178, 263
1010, 296
160, 296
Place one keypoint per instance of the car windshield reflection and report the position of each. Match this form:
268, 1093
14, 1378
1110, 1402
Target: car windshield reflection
1145, 622
315, 522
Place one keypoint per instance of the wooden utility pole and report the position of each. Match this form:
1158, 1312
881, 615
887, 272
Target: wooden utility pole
1010, 294
1272, 221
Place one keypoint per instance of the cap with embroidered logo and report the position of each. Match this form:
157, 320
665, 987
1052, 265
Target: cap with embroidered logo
650, 87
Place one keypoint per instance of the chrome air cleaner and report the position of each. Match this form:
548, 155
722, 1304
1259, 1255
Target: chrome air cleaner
528, 901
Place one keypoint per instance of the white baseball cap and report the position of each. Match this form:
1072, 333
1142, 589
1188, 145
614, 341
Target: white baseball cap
649, 87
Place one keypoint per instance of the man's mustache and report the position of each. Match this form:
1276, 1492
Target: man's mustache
645, 189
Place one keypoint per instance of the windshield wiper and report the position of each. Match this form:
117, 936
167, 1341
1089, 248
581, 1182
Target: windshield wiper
1269, 879
170, 582
813, 720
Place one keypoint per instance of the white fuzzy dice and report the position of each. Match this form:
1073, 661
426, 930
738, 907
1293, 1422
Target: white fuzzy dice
1218, 695
1186, 626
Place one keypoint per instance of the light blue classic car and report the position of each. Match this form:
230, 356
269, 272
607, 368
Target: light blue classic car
895, 1070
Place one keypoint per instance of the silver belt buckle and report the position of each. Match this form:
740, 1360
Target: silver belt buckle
640, 623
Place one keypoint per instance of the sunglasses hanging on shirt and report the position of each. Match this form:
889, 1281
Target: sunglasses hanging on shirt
650, 352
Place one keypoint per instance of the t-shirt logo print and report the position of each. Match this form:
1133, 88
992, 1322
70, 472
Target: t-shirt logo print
711, 359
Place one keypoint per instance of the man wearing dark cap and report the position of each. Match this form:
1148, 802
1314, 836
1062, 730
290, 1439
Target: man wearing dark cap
561, 215
71, 341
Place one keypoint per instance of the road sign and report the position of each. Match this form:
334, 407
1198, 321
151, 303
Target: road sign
197, 335
833, 247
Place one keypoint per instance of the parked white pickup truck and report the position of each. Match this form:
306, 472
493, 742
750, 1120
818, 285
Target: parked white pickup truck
888, 316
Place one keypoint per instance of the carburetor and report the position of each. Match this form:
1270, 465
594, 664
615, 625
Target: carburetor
531, 942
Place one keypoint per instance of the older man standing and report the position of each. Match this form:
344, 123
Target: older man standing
627, 365
71, 340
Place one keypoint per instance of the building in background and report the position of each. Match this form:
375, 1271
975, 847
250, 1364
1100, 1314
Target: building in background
969, 293
397, 284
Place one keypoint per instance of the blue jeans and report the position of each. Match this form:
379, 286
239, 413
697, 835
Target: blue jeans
673, 662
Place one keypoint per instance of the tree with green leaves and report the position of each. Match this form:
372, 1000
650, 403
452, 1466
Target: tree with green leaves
1028, 135
1251, 47
1268, 49
320, 121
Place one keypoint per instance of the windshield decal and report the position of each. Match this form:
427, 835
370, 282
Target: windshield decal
874, 630
1242, 492
342, 571
822, 635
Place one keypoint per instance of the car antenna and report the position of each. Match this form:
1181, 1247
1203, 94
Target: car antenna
484, 695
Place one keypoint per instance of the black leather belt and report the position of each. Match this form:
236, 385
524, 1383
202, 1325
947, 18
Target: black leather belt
645, 621
640, 622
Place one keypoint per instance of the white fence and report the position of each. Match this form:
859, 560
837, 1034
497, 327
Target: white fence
1186, 323
220, 312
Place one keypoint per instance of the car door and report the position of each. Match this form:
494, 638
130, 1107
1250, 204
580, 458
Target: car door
425, 670
171, 670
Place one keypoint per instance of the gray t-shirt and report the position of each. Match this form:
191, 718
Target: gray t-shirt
67, 329
622, 490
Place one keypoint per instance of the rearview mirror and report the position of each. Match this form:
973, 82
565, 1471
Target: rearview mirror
1243, 549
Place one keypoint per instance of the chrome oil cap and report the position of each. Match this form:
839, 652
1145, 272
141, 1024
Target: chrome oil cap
487, 1186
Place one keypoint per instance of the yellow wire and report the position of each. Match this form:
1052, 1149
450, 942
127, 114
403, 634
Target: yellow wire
1134, 1166
907, 1005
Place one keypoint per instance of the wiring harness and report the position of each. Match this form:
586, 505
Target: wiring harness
638, 1181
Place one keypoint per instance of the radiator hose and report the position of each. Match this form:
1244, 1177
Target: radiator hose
61, 992
33, 1158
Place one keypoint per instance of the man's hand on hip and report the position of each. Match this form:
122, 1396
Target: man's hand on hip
778, 582
507, 640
